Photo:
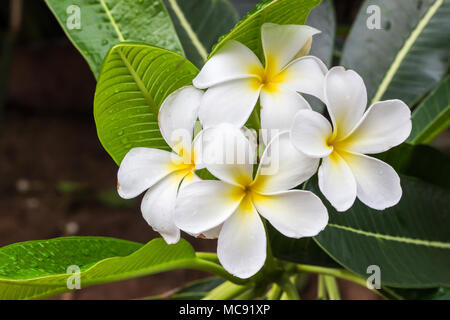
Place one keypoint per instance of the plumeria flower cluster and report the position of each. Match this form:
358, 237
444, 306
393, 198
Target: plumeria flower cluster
236, 206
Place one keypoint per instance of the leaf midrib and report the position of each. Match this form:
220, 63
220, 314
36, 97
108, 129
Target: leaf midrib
189, 31
111, 19
419, 242
405, 50
139, 82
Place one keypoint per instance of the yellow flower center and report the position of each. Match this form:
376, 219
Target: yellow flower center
187, 161
267, 78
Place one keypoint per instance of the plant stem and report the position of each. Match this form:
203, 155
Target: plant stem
274, 293
321, 293
289, 289
342, 274
248, 295
332, 287
338, 273
208, 256
254, 119
211, 267
226, 291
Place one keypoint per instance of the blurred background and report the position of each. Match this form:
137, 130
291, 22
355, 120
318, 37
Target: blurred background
56, 179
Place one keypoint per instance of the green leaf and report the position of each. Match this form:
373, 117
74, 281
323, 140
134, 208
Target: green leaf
420, 161
199, 24
410, 242
37, 269
248, 30
323, 18
104, 23
432, 116
134, 81
303, 251
408, 56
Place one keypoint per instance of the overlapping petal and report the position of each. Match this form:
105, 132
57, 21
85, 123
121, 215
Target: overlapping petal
294, 213
227, 154
279, 108
282, 167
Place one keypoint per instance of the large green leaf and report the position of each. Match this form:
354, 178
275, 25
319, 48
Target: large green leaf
199, 24
410, 242
106, 22
248, 30
134, 81
432, 116
408, 56
323, 18
37, 269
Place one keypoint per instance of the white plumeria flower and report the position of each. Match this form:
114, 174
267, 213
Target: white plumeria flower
346, 172
163, 172
235, 201
236, 79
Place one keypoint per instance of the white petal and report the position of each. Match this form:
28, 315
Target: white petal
310, 133
141, 168
385, 125
294, 213
178, 115
158, 207
306, 75
227, 154
337, 183
281, 43
282, 167
230, 102
233, 61
205, 204
242, 243
346, 99
279, 108
378, 185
